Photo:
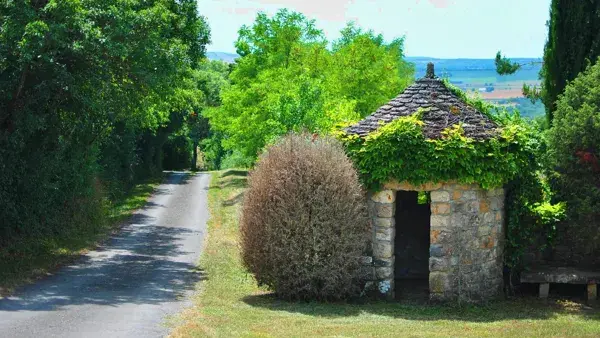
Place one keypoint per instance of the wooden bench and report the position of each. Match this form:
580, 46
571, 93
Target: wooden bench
546, 275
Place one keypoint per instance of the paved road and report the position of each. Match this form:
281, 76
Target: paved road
132, 284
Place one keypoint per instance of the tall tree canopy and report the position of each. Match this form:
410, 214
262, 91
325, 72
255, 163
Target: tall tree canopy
84, 84
366, 70
287, 79
573, 43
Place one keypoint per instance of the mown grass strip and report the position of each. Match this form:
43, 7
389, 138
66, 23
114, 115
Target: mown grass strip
229, 304
34, 257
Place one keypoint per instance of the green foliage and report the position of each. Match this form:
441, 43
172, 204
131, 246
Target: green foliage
178, 151
287, 80
504, 66
400, 151
574, 156
366, 70
213, 78
87, 90
531, 218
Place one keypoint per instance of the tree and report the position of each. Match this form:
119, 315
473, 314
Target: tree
575, 156
366, 70
213, 78
573, 42
287, 80
84, 87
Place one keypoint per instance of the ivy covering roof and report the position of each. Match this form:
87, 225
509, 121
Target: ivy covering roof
441, 109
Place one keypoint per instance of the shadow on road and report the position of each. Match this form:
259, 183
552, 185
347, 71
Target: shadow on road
145, 263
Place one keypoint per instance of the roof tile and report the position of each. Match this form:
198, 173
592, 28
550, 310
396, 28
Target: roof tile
444, 109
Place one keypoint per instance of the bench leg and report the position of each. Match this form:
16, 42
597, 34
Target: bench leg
592, 292
544, 288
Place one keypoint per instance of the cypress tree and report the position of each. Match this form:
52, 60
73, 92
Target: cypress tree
573, 43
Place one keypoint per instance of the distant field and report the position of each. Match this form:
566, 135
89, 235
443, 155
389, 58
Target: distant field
502, 94
479, 77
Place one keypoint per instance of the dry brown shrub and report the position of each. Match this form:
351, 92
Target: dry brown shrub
304, 223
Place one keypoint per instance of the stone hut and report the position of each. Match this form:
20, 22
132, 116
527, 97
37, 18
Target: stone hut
443, 239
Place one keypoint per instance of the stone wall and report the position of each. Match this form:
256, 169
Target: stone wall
466, 241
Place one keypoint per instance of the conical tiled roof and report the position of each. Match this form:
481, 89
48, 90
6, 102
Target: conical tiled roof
443, 109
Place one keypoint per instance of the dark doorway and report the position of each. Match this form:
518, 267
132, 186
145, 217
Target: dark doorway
413, 222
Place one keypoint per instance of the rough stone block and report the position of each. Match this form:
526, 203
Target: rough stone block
386, 288
499, 192
456, 195
483, 231
472, 207
440, 221
469, 195
438, 264
384, 234
484, 206
395, 185
383, 262
440, 196
499, 216
487, 242
460, 220
492, 270
385, 209
383, 249
370, 286
464, 186
466, 260
439, 282
466, 207
437, 297
386, 222
430, 186
488, 217
497, 203
437, 236
436, 250
440, 208
366, 260
383, 272
384, 196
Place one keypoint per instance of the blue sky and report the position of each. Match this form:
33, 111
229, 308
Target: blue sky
435, 28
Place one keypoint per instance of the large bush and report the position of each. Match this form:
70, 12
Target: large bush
304, 223
575, 152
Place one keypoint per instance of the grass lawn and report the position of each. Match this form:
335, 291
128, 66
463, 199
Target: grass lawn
27, 260
229, 304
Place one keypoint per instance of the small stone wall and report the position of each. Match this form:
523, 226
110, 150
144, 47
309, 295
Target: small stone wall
466, 241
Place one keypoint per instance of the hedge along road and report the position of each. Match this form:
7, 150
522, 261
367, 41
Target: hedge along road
131, 284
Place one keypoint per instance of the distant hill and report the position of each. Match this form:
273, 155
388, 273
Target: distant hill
227, 57
465, 69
